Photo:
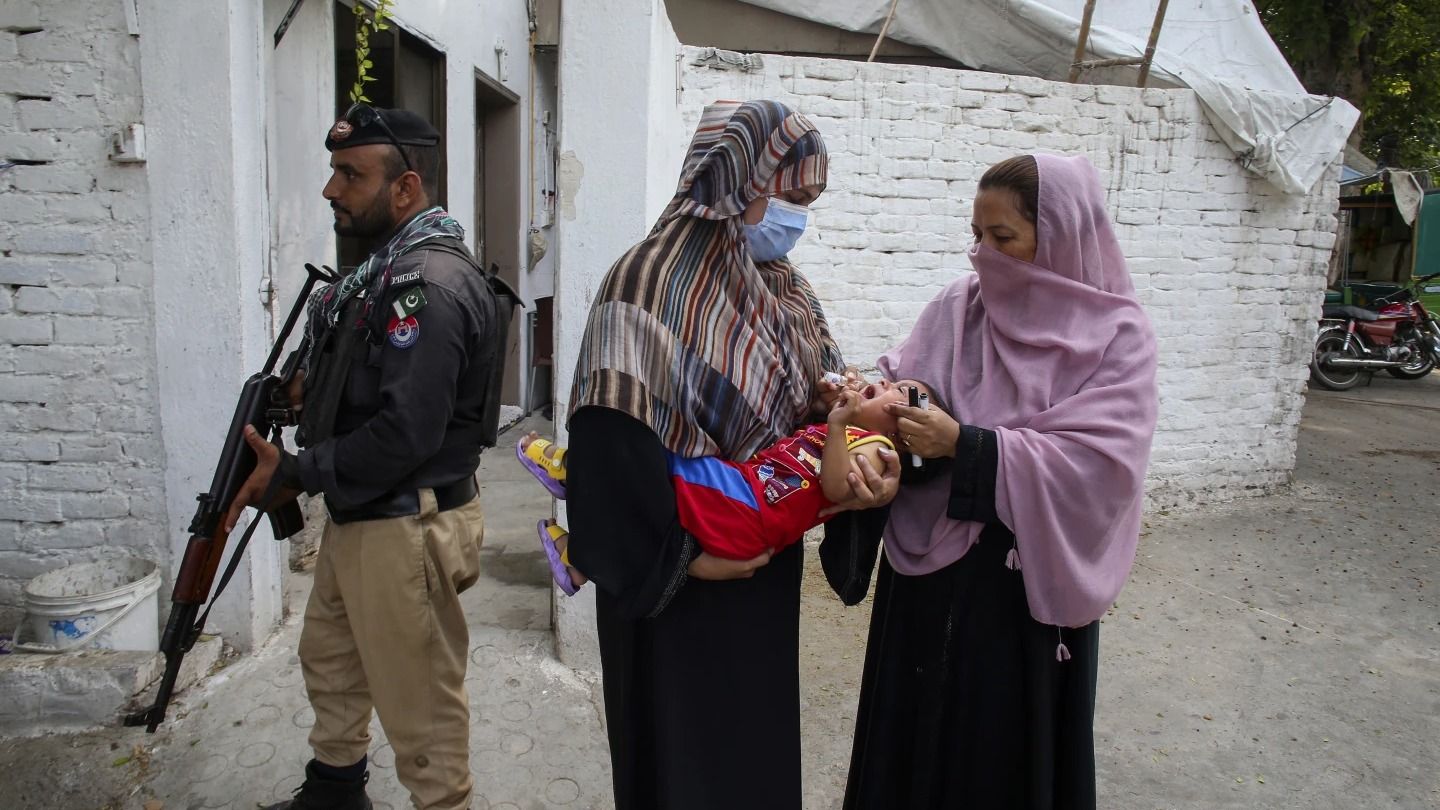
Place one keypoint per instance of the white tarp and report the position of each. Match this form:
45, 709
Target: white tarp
1218, 48
1408, 195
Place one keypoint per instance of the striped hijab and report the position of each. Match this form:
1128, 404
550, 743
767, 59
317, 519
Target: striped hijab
718, 354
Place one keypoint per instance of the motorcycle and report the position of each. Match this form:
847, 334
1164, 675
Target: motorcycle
1396, 333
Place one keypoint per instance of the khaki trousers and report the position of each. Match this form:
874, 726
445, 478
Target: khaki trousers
384, 630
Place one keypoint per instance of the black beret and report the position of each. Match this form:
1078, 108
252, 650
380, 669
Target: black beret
364, 125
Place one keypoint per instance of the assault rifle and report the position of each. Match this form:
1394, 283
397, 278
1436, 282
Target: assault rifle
264, 403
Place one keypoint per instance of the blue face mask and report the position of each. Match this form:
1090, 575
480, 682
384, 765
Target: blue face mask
775, 235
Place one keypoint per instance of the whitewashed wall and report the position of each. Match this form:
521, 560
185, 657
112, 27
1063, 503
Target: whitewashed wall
621, 144
81, 464
131, 304
1230, 269
204, 114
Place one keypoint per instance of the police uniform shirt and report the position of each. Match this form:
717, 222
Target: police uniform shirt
412, 409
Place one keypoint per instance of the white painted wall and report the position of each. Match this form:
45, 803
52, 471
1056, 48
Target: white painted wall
668, 135
131, 305
204, 116
1230, 269
298, 114
618, 167
81, 463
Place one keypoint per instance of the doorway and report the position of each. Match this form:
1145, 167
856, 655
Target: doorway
498, 211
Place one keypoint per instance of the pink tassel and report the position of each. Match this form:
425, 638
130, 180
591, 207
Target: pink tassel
1012, 560
1062, 653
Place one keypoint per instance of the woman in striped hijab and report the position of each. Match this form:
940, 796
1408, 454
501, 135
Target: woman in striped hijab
702, 340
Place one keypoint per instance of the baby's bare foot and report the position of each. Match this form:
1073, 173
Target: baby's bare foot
526, 440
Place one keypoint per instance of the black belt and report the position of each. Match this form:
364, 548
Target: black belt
402, 504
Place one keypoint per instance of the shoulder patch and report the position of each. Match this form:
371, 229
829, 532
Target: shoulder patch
403, 332
408, 302
406, 278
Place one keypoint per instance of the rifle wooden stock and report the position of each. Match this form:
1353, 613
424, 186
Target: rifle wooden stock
192, 587
197, 569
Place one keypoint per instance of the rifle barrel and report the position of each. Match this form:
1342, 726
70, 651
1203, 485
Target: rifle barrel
312, 275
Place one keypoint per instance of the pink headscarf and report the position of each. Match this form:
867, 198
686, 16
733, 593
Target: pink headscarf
1058, 358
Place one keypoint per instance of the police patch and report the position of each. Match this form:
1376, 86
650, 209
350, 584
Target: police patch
408, 303
404, 332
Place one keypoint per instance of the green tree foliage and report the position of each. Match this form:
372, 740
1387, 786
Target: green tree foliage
1383, 56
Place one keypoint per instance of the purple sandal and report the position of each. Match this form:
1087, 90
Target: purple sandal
555, 486
558, 571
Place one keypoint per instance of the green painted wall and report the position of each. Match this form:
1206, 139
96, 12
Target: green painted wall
1427, 249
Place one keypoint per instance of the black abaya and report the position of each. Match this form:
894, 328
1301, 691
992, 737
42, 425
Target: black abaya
963, 703
701, 679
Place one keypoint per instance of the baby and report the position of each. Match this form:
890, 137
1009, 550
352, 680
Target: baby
740, 510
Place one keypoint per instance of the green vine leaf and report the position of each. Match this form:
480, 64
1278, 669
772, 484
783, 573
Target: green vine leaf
366, 22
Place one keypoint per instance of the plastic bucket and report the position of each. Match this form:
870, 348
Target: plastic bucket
109, 605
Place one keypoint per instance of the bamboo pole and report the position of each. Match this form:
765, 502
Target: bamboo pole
1150, 46
883, 30
1116, 62
1083, 42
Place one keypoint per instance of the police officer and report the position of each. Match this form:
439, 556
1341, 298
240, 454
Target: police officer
396, 403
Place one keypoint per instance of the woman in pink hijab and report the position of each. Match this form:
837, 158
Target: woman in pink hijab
1006, 547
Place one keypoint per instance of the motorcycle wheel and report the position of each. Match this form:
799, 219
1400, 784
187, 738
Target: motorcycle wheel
1336, 379
1421, 366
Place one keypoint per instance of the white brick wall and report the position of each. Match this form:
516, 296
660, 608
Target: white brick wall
1230, 269
80, 454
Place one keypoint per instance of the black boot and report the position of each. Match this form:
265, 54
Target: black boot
320, 792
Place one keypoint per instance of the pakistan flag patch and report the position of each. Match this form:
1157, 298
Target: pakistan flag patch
408, 303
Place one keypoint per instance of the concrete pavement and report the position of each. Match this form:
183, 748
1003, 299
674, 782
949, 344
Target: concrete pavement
1278, 652
238, 741
1285, 651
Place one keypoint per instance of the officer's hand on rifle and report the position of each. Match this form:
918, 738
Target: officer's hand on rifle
267, 459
